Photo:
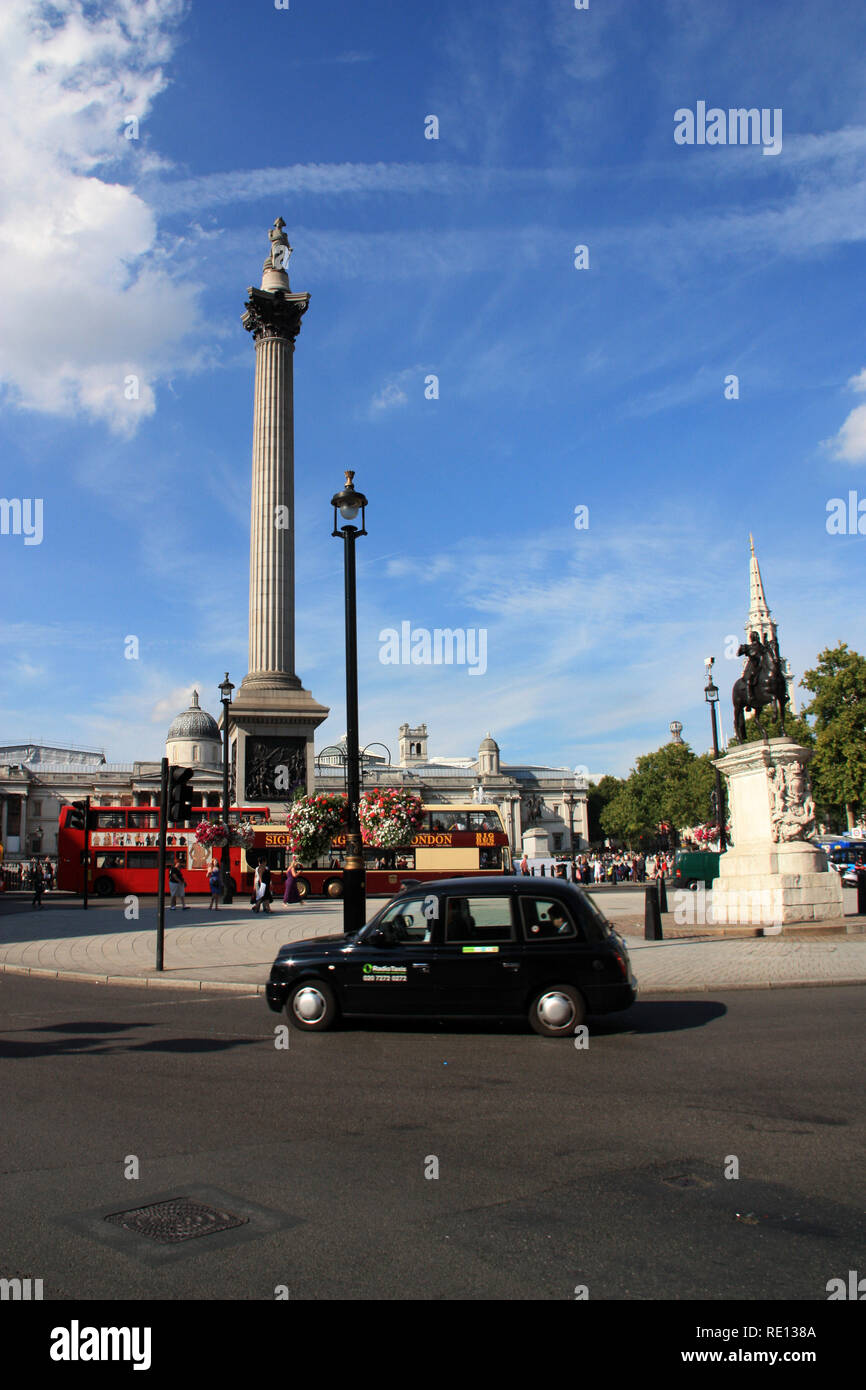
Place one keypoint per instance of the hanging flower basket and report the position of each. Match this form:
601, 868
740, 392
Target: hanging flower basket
214, 834
389, 818
313, 821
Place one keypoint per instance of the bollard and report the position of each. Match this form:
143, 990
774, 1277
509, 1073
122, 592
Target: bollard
861, 892
542, 871
652, 922
663, 895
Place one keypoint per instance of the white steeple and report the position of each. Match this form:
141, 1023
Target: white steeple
760, 619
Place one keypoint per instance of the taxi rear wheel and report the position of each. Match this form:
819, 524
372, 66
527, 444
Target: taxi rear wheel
311, 1006
556, 1011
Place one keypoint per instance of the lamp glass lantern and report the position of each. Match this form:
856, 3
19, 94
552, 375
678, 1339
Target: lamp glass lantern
349, 503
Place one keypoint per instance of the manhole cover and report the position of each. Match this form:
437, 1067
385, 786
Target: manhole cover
176, 1220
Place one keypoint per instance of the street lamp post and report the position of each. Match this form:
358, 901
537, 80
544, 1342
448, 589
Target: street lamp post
349, 503
225, 858
569, 800
711, 695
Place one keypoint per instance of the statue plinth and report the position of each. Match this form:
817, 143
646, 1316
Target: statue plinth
773, 867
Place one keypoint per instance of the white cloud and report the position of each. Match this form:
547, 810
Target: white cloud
390, 396
850, 443
395, 393
858, 382
175, 702
81, 248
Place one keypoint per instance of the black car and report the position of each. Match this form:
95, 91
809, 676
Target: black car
503, 947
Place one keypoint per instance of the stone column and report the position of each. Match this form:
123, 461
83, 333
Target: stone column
274, 319
273, 718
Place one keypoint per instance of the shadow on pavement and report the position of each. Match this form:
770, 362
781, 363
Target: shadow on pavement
663, 1017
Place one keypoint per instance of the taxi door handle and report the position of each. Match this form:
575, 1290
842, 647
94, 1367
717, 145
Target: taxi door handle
421, 965
511, 964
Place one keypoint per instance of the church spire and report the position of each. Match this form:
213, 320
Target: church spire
759, 619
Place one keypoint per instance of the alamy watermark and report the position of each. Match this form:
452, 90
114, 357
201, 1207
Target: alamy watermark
758, 906
846, 519
736, 126
22, 516
444, 646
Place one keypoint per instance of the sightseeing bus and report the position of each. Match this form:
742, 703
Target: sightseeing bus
454, 841
124, 850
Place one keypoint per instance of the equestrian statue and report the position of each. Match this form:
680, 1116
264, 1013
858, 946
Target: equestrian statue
762, 683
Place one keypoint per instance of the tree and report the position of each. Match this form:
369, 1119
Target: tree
838, 709
670, 785
599, 794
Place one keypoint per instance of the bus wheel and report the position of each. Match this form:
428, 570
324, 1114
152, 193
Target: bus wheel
334, 888
303, 887
103, 887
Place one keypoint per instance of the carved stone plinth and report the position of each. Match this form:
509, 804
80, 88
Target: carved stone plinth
772, 868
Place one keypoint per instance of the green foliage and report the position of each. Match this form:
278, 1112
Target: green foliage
795, 728
597, 798
838, 769
671, 785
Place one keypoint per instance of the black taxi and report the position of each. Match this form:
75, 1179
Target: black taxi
494, 947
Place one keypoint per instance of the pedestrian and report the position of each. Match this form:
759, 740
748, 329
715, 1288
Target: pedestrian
38, 885
291, 892
177, 886
215, 883
262, 887
524, 865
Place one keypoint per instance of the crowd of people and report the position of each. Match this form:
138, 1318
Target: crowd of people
607, 867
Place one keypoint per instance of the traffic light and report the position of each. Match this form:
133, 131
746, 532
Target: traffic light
180, 795
75, 819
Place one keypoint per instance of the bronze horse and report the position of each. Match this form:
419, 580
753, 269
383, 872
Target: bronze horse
770, 688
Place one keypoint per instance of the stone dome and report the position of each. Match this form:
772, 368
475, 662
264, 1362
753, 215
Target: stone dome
488, 745
194, 723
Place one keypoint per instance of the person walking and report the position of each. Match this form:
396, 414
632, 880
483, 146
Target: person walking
177, 887
215, 883
291, 892
262, 887
38, 885
524, 866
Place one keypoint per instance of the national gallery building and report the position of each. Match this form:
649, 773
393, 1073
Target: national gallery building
37, 779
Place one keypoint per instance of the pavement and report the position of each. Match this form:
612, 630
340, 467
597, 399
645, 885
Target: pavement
233, 949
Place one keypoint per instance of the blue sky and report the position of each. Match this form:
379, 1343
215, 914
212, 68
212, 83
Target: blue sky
558, 387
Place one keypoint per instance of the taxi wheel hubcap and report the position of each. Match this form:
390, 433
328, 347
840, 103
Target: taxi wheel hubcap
309, 1005
556, 1010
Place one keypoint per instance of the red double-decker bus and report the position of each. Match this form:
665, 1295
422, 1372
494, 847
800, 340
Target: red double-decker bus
453, 842
124, 850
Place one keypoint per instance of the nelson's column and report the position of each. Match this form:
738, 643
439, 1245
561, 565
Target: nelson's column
273, 719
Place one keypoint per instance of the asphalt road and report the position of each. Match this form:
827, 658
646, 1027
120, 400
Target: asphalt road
557, 1166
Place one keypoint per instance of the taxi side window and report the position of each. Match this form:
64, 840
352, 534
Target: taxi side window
408, 921
545, 919
480, 920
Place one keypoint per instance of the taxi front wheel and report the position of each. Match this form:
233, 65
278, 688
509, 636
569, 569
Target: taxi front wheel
311, 1006
556, 1011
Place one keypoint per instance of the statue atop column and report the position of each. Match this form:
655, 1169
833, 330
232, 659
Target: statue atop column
280, 248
